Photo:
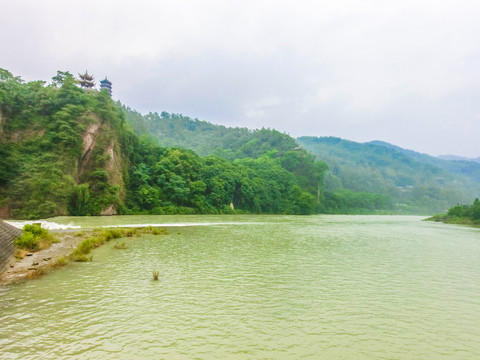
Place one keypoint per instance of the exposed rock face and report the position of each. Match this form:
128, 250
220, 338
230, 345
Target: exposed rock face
88, 144
109, 211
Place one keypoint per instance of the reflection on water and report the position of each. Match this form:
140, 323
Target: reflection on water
257, 287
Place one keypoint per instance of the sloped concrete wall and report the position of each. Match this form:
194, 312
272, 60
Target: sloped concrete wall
8, 234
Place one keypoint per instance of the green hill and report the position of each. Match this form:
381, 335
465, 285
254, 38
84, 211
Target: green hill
415, 182
236, 143
177, 130
467, 168
69, 151
362, 178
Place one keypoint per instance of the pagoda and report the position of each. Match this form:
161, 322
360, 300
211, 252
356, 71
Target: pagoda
86, 80
106, 84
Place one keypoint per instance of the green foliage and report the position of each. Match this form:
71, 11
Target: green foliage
120, 246
56, 149
461, 214
346, 201
42, 151
27, 241
177, 130
413, 183
34, 238
79, 200
266, 166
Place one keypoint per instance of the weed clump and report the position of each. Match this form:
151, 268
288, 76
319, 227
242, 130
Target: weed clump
34, 238
155, 274
120, 246
102, 236
80, 253
61, 261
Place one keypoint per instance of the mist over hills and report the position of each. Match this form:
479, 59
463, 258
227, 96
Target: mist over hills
458, 158
412, 179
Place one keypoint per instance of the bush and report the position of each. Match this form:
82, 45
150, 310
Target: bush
34, 238
27, 241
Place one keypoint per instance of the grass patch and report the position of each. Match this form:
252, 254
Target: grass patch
101, 236
154, 230
120, 246
35, 238
80, 253
61, 261
20, 253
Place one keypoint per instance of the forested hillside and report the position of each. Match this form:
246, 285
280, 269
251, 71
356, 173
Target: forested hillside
361, 178
208, 139
66, 150
464, 167
415, 182
237, 143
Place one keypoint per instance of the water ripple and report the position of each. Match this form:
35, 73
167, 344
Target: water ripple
274, 288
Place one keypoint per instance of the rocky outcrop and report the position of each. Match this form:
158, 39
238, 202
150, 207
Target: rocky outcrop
88, 145
109, 211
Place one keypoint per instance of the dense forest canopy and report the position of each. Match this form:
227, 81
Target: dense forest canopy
235, 143
66, 150
414, 182
362, 178
177, 130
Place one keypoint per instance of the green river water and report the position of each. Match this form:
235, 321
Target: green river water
257, 287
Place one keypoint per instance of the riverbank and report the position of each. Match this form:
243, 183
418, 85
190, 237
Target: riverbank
70, 245
41, 262
454, 220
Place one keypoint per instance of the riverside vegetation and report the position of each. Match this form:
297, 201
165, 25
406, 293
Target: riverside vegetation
69, 151
36, 239
461, 214
371, 177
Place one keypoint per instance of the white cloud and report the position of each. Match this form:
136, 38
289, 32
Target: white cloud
349, 68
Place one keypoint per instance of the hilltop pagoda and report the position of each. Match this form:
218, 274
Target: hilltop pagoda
106, 84
86, 80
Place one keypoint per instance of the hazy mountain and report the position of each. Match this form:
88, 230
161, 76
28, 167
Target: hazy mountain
458, 158
415, 181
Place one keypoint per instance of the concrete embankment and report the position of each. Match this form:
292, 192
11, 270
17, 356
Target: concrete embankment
8, 234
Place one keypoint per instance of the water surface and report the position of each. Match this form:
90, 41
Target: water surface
257, 287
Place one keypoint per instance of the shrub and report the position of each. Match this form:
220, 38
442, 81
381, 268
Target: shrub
27, 241
34, 238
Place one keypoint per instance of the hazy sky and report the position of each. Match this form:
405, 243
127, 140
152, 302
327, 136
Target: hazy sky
406, 72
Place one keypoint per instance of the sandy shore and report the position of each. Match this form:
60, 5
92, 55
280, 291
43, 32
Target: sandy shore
42, 261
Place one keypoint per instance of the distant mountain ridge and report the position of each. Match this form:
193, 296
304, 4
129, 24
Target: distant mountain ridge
69, 151
405, 180
469, 168
413, 180
458, 158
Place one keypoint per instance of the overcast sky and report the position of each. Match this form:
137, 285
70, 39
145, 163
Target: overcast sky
405, 72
